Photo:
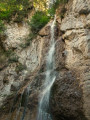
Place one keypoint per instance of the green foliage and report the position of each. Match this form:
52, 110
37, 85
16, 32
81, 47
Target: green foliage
52, 10
13, 59
5, 15
58, 2
8, 8
9, 53
2, 27
39, 20
20, 67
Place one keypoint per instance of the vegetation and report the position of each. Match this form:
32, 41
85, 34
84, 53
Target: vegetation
13, 59
40, 5
11, 7
2, 56
53, 8
39, 20
2, 27
19, 9
9, 53
20, 67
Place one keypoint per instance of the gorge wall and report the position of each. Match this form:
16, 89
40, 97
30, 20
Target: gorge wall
70, 96
76, 26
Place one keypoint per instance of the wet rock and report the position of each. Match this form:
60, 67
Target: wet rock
66, 97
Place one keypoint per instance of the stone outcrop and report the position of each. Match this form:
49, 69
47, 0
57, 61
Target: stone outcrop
76, 28
70, 94
23, 61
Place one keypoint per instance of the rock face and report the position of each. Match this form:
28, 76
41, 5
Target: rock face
70, 94
23, 61
76, 26
66, 97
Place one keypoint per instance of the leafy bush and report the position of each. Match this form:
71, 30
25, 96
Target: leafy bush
39, 20
5, 15
51, 11
8, 8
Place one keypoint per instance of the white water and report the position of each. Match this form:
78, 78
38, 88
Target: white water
44, 110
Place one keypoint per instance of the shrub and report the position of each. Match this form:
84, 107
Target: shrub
5, 15
51, 11
39, 20
8, 8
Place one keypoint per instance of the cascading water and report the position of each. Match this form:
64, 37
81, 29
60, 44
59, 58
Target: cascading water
43, 112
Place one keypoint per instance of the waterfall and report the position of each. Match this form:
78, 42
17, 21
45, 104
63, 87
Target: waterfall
43, 111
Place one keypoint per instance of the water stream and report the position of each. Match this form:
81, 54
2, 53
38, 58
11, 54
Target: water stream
43, 111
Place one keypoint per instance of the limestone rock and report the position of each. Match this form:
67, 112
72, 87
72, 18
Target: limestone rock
76, 25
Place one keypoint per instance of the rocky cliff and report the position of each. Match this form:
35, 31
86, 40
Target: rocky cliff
70, 97
76, 28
